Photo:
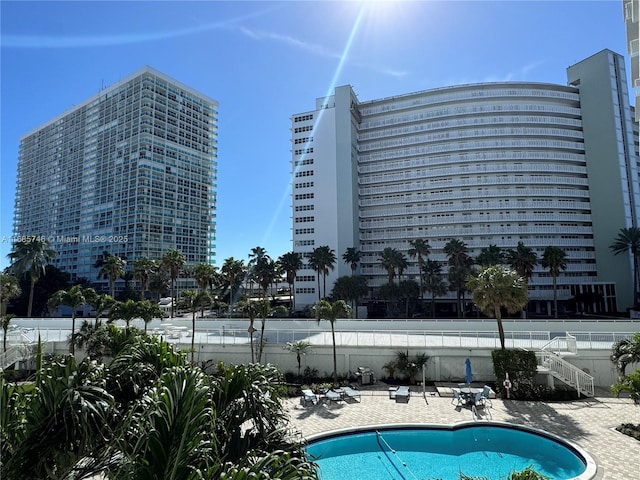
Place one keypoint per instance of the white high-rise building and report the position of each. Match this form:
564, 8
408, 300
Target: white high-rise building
488, 164
130, 171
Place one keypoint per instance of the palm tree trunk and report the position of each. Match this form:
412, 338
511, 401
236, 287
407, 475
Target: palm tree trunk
555, 297
193, 335
72, 347
33, 284
261, 340
335, 358
498, 315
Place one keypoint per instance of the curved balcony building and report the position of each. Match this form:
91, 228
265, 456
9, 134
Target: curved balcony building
488, 164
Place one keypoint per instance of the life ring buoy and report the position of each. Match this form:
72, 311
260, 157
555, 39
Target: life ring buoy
506, 384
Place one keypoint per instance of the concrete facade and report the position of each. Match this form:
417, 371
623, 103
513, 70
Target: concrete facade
489, 164
130, 171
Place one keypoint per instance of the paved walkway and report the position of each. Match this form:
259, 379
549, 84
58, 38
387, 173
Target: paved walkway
588, 423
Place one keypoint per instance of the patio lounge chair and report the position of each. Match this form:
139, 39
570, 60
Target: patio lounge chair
403, 394
332, 396
457, 399
308, 397
486, 391
352, 393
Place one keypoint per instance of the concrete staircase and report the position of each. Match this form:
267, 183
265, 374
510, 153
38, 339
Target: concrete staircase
551, 361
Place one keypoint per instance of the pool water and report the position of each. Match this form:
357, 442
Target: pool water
442, 453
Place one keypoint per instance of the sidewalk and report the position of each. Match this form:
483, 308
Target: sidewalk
588, 423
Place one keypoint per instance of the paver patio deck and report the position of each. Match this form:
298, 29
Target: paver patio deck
588, 423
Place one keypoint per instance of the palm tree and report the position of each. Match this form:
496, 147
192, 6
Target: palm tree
5, 320
433, 282
491, 255
250, 308
9, 289
626, 352
205, 275
30, 257
555, 259
496, 287
148, 310
193, 300
299, 347
159, 282
352, 256
265, 272
265, 311
628, 240
290, 263
173, 261
350, 288
408, 289
143, 268
99, 303
324, 310
322, 260
390, 259
419, 248
112, 268
231, 271
523, 260
126, 311
74, 298
459, 268
257, 255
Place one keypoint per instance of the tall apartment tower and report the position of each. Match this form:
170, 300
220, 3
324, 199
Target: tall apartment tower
130, 171
631, 10
488, 164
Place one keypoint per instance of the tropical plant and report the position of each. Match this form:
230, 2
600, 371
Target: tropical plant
250, 309
628, 383
192, 300
555, 259
265, 310
232, 272
433, 282
496, 287
159, 283
351, 289
628, 240
99, 302
148, 310
459, 269
9, 289
352, 256
410, 366
30, 257
289, 263
265, 272
408, 289
322, 260
143, 269
126, 311
299, 347
392, 259
113, 268
420, 248
74, 298
173, 261
324, 310
625, 352
523, 260
5, 321
491, 255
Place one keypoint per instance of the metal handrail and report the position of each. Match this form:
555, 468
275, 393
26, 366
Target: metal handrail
562, 344
569, 373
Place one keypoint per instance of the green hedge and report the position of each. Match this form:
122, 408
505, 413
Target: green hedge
521, 365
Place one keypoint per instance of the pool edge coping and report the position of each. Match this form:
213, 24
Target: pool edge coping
591, 467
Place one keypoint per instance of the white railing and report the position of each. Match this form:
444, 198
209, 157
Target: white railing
15, 354
561, 345
565, 371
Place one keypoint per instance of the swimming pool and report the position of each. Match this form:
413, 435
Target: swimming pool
411, 452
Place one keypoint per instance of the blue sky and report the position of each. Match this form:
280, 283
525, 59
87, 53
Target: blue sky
265, 61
